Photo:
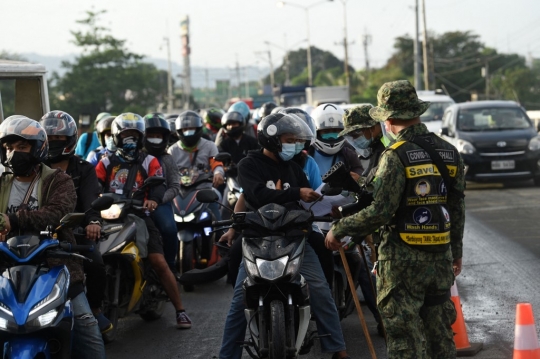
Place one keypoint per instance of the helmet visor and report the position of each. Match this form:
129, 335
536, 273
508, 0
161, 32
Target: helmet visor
291, 124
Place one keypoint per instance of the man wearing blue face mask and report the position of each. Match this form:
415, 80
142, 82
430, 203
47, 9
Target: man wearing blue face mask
365, 135
269, 176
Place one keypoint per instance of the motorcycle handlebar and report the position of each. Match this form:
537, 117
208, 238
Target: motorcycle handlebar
68, 247
222, 223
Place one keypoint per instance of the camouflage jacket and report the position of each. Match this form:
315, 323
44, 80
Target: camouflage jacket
389, 186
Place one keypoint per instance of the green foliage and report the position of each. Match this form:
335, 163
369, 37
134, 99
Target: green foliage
106, 77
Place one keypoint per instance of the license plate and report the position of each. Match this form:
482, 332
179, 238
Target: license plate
503, 165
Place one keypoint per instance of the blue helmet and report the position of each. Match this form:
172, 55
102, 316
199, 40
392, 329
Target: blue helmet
241, 107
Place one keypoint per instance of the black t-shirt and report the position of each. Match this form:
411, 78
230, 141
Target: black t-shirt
258, 175
238, 150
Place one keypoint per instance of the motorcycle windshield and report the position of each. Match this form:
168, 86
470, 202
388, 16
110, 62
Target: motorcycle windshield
23, 246
187, 203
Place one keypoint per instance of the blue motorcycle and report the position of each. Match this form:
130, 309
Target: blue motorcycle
36, 316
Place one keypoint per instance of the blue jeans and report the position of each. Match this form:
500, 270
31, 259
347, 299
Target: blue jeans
164, 220
321, 303
87, 341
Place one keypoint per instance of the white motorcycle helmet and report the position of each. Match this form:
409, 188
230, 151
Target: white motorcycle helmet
328, 116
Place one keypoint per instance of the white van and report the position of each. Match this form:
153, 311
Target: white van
433, 115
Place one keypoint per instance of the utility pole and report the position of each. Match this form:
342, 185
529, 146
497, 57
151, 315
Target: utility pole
246, 81
485, 74
287, 63
366, 41
170, 96
207, 95
417, 81
269, 53
424, 48
238, 76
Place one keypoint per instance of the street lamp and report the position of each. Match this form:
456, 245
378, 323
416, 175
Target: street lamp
306, 9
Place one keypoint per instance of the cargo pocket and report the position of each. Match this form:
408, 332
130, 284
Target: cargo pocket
395, 324
449, 311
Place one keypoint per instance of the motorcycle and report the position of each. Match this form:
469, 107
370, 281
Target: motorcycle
232, 190
275, 293
132, 286
194, 223
36, 315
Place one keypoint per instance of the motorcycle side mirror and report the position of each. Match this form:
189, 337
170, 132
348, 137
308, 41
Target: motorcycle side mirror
207, 196
224, 157
102, 203
328, 190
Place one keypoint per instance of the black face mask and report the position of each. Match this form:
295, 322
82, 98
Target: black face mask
21, 163
55, 150
235, 132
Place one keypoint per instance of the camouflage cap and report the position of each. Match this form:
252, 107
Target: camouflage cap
356, 118
398, 100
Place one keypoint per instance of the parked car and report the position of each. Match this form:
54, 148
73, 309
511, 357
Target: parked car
439, 102
496, 139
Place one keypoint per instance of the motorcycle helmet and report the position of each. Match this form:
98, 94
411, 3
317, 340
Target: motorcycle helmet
307, 119
266, 109
156, 123
212, 118
15, 128
59, 123
189, 119
100, 117
233, 117
124, 122
241, 107
277, 109
103, 126
328, 117
273, 126
171, 118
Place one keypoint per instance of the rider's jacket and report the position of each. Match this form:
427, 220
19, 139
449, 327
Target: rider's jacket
422, 219
113, 173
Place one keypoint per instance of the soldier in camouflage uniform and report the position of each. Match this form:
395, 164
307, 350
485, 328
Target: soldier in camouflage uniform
423, 217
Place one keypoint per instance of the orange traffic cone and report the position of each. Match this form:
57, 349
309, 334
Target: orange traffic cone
526, 340
463, 346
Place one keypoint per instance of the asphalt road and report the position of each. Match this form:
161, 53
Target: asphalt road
500, 266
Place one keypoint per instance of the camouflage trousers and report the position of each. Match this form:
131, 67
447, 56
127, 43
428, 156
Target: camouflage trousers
415, 330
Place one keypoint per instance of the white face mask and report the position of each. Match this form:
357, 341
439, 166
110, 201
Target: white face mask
155, 141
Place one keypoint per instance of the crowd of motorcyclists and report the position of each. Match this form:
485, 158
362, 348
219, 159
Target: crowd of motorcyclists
125, 150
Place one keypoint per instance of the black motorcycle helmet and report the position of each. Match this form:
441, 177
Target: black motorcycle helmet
60, 123
156, 123
189, 119
103, 126
15, 128
273, 126
265, 109
304, 116
233, 117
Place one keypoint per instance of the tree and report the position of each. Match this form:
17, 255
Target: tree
321, 61
106, 76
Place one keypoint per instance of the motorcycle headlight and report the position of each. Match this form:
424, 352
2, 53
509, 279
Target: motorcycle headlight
53, 295
293, 266
44, 319
190, 217
204, 216
113, 212
7, 322
534, 144
251, 268
465, 147
271, 269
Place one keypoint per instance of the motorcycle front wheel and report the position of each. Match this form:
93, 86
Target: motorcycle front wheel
277, 334
155, 313
109, 310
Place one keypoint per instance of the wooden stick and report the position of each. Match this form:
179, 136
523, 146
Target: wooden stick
357, 302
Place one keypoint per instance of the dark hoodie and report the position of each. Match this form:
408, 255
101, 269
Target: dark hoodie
258, 175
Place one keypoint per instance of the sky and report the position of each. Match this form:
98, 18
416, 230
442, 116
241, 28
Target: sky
224, 32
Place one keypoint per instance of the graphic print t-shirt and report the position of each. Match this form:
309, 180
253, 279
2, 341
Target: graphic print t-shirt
16, 197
